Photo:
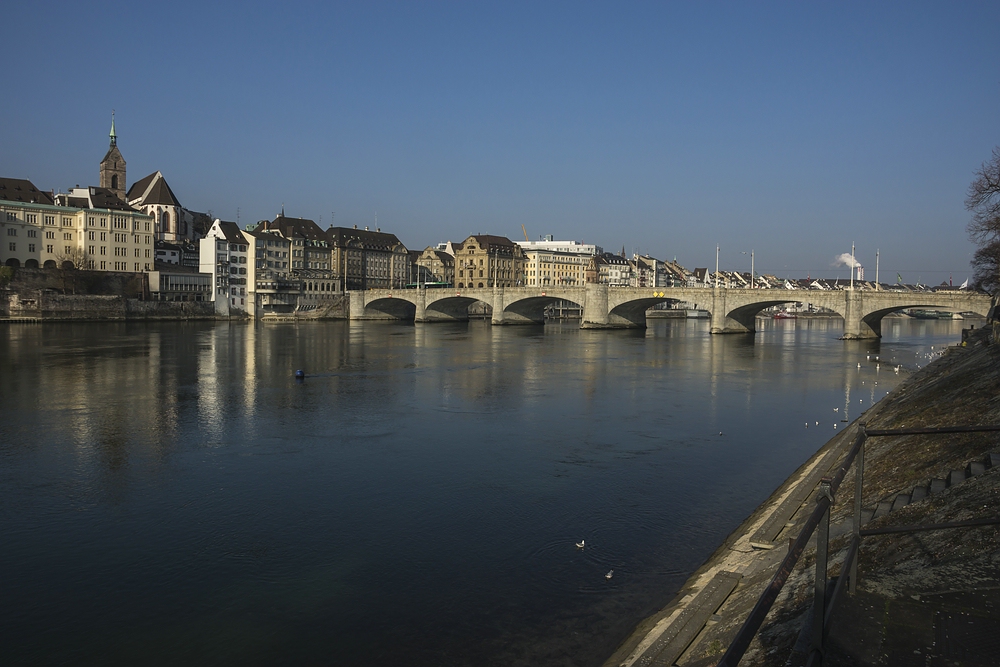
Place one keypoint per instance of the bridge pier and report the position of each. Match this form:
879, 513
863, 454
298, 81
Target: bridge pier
502, 316
722, 320
856, 325
597, 311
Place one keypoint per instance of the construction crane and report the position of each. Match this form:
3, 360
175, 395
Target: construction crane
525, 232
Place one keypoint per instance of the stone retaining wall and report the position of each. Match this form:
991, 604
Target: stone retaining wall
48, 305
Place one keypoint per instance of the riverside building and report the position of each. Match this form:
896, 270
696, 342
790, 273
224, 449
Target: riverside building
551, 262
484, 260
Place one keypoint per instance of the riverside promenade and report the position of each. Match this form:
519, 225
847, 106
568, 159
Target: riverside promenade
923, 598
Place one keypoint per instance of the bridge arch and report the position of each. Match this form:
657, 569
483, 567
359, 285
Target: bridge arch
632, 313
389, 308
448, 309
745, 316
873, 319
530, 310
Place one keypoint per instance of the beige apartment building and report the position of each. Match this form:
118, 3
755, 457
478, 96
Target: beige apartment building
546, 267
438, 266
483, 260
87, 228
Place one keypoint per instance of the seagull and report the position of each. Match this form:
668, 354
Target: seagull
836, 409
859, 364
579, 545
835, 426
817, 423
807, 424
720, 432
608, 575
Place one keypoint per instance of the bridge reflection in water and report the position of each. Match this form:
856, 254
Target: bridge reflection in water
606, 307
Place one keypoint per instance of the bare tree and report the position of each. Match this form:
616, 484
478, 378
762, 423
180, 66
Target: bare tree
983, 200
70, 263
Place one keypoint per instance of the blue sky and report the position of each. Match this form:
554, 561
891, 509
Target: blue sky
793, 129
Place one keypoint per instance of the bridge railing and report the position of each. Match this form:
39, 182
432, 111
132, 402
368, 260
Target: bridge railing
820, 520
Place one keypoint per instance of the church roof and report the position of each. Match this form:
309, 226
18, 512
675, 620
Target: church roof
22, 190
152, 189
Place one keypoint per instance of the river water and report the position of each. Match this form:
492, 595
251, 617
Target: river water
170, 494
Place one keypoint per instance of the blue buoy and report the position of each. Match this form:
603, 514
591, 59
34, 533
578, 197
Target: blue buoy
300, 374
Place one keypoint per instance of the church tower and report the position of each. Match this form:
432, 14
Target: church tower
113, 166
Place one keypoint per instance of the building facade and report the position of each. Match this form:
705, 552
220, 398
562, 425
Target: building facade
435, 266
484, 260
365, 259
86, 228
224, 253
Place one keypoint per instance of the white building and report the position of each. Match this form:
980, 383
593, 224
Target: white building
572, 247
223, 254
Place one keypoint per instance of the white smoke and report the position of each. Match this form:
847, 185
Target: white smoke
846, 260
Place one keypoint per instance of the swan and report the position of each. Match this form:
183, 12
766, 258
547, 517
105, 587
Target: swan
608, 575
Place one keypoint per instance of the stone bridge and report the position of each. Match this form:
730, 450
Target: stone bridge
605, 307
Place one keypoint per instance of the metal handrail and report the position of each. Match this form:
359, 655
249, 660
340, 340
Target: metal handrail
820, 518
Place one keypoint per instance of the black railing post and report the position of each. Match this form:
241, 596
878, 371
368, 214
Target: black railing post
822, 544
859, 479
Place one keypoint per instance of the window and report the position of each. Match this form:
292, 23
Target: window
67, 249
31, 218
11, 216
48, 249
50, 220
32, 233
13, 247
90, 250
31, 247
11, 231
104, 236
50, 235
90, 236
104, 251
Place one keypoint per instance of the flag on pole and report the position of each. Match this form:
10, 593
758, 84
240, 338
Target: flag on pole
899, 278
964, 285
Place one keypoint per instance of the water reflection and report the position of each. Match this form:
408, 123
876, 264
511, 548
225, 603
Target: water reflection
170, 493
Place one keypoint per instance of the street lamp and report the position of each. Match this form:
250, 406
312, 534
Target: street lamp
752, 283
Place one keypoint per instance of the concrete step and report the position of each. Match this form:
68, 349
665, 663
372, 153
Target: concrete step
993, 459
938, 485
975, 468
676, 638
866, 516
956, 477
919, 493
902, 500
883, 508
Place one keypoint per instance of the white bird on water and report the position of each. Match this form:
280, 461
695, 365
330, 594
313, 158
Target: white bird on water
836, 409
579, 545
608, 575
